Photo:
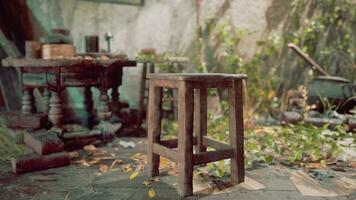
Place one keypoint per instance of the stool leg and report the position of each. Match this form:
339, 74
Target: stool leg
154, 116
200, 117
237, 131
185, 138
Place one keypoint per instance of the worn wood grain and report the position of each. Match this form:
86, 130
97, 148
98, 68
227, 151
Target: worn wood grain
185, 142
212, 156
154, 116
237, 131
200, 116
165, 152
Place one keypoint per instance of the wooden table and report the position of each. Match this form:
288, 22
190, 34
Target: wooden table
55, 74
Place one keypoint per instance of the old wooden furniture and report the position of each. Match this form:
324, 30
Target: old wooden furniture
55, 74
187, 102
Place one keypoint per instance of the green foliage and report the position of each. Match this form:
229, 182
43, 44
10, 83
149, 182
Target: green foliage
322, 28
292, 143
326, 34
8, 147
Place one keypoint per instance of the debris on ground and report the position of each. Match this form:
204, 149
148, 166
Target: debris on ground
326, 186
127, 144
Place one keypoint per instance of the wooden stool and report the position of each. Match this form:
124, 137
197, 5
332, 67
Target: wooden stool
187, 102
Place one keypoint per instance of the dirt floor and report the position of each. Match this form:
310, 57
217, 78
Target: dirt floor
110, 179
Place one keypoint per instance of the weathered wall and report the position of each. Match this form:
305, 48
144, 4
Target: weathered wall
166, 25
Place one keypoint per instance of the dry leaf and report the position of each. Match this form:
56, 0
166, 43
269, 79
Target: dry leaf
313, 165
90, 148
353, 164
151, 193
140, 167
103, 168
116, 162
78, 161
127, 168
147, 182
73, 154
85, 163
95, 161
135, 156
157, 179
134, 175
98, 174
105, 158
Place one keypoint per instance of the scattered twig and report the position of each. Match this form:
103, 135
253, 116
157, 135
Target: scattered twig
89, 181
67, 196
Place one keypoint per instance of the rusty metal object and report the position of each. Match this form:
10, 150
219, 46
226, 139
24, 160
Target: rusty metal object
308, 59
91, 43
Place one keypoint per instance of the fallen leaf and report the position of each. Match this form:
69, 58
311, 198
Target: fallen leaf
151, 193
95, 161
127, 168
105, 158
85, 163
157, 179
147, 182
73, 154
90, 148
134, 175
103, 168
116, 162
78, 161
140, 167
353, 164
313, 165
98, 174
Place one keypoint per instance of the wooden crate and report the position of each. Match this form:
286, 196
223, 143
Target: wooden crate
55, 51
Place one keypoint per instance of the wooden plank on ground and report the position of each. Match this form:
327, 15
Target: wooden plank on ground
251, 184
332, 188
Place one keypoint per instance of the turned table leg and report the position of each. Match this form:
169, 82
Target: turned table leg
46, 97
103, 109
28, 101
114, 94
55, 111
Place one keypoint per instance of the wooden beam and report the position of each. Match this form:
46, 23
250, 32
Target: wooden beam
185, 134
215, 143
173, 143
154, 120
237, 131
200, 116
212, 156
165, 152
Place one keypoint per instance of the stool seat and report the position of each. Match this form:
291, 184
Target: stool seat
192, 118
195, 76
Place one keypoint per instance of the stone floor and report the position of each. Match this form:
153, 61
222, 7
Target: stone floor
72, 182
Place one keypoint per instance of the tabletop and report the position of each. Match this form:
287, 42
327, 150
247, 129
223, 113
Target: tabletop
66, 62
